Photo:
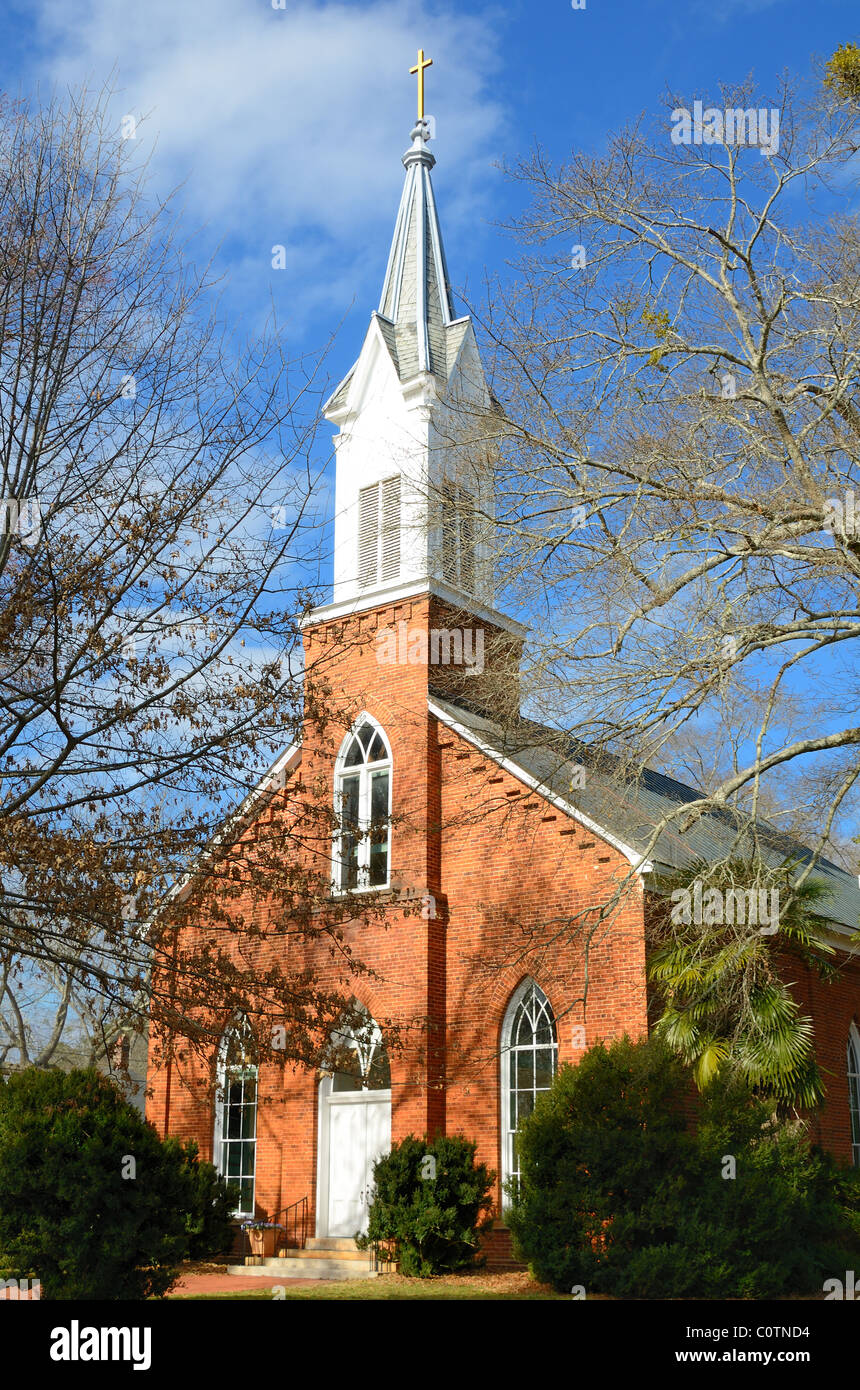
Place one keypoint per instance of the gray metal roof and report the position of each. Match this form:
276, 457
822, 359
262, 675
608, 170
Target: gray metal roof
416, 293
629, 809
416, 312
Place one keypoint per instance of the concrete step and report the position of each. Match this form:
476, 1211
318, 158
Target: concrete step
319, 1267
330, 1243
324, 1252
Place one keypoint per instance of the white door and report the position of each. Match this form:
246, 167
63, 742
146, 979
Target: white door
359, 1132
377, 1142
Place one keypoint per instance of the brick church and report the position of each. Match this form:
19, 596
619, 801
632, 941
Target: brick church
466, 824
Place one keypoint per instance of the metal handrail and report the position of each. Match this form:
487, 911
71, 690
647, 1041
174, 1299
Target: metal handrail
300, 1219
383, 1252
295, 1216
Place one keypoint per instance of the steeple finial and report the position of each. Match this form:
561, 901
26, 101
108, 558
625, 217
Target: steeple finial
419, 69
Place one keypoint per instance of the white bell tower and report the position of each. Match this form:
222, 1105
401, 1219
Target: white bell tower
414, 486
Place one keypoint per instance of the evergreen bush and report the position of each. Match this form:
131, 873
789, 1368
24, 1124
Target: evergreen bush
92, 1202
432, 1198
209, 1217
625, 1192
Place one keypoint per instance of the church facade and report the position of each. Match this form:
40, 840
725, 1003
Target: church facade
469, 827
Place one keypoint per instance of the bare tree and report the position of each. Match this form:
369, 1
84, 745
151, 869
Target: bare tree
678, 361
49, 1019
159, 547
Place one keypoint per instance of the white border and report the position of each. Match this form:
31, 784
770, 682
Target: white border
505, 1081
384, 597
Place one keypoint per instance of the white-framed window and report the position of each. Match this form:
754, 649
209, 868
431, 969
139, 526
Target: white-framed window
357, 1054
379, 532
529, 1064
235, 1148
852, 1064
363, 809
458, 537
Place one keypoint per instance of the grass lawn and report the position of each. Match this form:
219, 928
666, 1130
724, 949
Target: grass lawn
499, 1286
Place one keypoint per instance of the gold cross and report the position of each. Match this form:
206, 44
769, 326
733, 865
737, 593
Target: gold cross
419, 68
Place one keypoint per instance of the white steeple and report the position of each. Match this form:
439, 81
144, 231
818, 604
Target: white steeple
416, 295
413, 502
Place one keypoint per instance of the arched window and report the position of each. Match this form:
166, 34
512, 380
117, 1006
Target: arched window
357, 1055
235, 1150
363, 807
853, 1069
529, 1063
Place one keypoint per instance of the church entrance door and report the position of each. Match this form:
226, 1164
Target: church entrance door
359, 1132
354, 1124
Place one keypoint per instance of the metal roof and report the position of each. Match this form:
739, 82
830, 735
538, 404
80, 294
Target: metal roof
416, 312
630, 808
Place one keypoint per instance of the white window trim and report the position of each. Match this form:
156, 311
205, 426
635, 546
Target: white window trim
506, 1133
365, 770
220, 1077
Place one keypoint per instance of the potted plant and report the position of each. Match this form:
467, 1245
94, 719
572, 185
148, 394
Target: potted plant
262, 1236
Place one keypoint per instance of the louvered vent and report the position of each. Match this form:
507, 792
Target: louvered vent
379, 532
391, 528
467, 542
368, 535
458, 537
449, 534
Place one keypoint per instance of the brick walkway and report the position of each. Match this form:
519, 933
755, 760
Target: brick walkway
196, 1284
230, 1283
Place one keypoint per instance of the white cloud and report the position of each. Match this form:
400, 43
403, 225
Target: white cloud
287, 126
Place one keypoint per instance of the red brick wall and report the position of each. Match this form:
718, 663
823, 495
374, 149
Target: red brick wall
509, 875
833, 1006
492, 864
519, 876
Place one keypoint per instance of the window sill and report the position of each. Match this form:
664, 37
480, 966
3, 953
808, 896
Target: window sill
338, 894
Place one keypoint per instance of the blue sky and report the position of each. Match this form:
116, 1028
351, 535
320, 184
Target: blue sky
286, 126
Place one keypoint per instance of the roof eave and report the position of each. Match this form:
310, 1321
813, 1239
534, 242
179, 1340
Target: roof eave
635, 859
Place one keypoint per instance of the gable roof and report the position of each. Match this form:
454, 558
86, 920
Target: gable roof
624, 812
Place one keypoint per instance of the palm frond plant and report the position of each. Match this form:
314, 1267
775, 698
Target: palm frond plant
722, 980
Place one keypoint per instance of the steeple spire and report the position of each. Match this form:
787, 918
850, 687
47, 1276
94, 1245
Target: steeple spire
416, 293
413, 485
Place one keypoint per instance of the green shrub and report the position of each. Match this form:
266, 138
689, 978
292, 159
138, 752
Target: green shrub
68, 1215
208, 1221
848, 1193
622, 1194
432, 1198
